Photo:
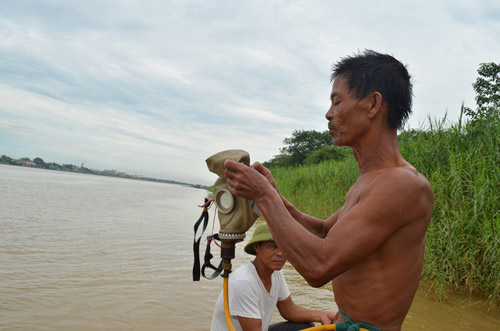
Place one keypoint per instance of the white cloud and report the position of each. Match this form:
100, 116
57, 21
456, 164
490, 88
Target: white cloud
156, 87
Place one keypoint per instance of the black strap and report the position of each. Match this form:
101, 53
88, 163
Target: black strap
196, 244
208, 257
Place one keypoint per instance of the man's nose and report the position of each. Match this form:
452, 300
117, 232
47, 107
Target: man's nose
329, 114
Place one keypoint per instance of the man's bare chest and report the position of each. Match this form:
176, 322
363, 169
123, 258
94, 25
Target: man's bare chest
355, 194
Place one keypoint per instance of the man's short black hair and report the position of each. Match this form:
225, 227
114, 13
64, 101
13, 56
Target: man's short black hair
370, 72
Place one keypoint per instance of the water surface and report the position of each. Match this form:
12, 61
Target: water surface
83, 252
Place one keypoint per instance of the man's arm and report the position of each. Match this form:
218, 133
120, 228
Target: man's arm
243, 300
315, 225
250, 324
293, 312
393, 200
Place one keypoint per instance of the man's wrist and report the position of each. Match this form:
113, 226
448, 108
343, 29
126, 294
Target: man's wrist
266, 197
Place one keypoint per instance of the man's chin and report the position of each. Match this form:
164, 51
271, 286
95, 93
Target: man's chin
335, 140
338, 142
278, 265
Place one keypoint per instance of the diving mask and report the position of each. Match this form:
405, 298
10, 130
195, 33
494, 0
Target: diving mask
236, 215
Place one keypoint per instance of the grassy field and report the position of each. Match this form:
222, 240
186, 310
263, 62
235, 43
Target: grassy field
462, 161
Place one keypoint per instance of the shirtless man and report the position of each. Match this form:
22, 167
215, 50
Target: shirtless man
372, 248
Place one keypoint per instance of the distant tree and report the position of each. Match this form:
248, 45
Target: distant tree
68, 167
487, 88
324, 153
278, 161
6, 160
52, 166
303, 142
39, 162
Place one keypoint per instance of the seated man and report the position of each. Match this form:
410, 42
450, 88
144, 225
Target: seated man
257, 287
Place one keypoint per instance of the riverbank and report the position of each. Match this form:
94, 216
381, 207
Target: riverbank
38, 163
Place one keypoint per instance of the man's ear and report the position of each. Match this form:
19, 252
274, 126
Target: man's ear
375, 103
256, 246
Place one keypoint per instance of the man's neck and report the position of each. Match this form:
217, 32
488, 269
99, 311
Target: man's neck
264, 273
376, 152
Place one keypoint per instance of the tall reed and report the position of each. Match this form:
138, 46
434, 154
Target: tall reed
317, 189
462, 162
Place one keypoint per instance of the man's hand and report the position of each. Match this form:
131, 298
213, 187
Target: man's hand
266, 173
247, 182
291, 311
327, 317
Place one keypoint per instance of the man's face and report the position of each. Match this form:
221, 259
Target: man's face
347, 116
270, 255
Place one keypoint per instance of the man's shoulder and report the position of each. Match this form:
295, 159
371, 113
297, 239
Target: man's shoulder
243, 269
401, 186
404, 177
245, 272
404, 188
243, 283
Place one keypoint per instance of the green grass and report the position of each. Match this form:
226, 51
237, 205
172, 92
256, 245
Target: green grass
317, 189
462, 162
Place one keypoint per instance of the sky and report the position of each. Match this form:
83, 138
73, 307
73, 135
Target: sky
155, 87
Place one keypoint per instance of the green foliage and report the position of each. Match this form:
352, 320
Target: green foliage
463, 245
324, 153
299, 146
317, 189
278, 161
7, 160
487, 88
69, 167
39, 162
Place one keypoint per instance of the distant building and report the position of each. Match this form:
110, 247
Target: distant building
29, 164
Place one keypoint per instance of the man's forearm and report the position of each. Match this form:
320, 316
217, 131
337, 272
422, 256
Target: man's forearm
301, 314
289, 233
313, 224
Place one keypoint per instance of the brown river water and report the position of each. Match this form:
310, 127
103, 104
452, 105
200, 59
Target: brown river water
82, 252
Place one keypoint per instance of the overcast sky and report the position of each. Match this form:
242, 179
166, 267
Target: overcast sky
154, 87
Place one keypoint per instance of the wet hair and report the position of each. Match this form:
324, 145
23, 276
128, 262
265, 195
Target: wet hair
370, 72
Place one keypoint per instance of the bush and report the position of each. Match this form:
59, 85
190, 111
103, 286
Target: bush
325, 153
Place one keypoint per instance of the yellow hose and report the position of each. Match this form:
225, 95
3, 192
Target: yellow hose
327, 327
226, 304
322, 328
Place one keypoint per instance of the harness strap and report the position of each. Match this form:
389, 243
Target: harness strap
208, 257
196, 243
